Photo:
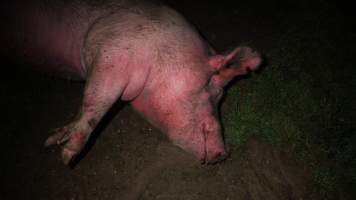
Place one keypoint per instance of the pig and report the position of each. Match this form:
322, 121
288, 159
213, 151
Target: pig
137, 51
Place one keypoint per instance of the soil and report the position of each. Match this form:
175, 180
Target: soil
127, 158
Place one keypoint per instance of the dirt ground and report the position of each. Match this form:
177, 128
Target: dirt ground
128, 158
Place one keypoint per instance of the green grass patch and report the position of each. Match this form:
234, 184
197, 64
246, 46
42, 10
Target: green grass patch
303, 101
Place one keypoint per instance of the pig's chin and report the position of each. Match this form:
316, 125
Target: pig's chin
199, 155
202, 152
197, 150
203, 156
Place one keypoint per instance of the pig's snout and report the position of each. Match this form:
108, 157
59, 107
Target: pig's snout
214, 148
216, 157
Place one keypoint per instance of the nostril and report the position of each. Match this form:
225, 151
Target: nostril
218, 157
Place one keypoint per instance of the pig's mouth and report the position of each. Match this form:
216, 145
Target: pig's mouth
203, 155
203, 146
204, 159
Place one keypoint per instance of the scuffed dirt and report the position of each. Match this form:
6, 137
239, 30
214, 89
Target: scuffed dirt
127, 158
260, 173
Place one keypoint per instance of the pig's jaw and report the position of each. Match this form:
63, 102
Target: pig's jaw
199, 155
199, 148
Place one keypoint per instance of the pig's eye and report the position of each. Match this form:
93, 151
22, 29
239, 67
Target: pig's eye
219, 94
215, 94
214, 91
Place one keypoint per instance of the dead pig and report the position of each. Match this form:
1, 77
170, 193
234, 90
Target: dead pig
141, 52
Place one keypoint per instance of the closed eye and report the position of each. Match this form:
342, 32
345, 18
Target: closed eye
215, 94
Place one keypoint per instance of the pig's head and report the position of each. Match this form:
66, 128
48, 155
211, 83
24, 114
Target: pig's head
186, 106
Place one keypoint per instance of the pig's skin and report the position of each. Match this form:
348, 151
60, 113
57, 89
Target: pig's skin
145, 53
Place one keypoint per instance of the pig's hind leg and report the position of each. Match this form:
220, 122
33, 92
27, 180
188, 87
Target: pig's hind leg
104, 86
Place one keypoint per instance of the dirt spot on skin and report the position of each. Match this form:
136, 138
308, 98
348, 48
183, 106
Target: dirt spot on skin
92, 123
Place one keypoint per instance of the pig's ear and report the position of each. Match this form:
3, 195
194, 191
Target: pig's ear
234, 63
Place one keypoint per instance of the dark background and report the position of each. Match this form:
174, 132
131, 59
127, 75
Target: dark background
307, 84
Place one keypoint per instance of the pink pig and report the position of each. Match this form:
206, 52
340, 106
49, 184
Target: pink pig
145, 53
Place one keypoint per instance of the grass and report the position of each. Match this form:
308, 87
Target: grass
303, 101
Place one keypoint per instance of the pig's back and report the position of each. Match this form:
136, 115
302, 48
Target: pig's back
57, 35
50, 34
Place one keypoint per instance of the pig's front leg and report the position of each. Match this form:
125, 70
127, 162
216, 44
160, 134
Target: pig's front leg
104, 86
